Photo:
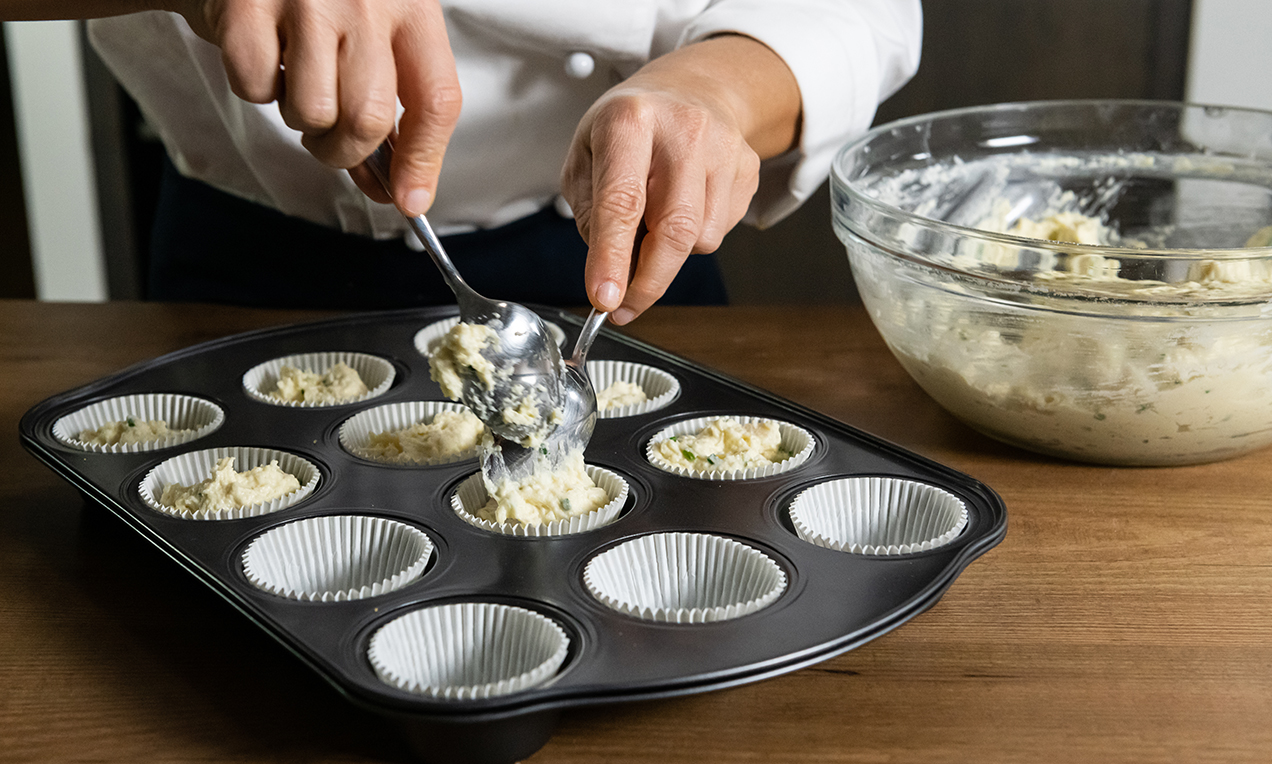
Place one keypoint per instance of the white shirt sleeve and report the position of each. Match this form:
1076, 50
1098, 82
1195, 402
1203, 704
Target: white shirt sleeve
846, 55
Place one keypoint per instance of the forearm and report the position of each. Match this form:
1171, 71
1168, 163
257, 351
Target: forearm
754, 83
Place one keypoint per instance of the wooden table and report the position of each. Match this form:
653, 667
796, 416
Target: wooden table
1127, 617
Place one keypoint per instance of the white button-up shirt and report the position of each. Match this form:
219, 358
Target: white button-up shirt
528, 69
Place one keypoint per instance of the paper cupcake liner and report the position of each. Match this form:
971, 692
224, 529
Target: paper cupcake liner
196, 466
188, 419
355, 433
470, 496
337, 558
426, 339
468, 650
796, 440
376, 373
660, 387
878, 516
684, 578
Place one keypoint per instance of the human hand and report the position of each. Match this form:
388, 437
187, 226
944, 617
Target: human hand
347, 63
674, 147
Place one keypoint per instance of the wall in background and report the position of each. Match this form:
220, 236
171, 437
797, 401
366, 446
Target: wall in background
975, 52
1230, 59
50, 106
16, 277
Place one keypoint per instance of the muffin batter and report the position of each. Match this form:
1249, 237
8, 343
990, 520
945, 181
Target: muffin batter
339, 383
227, 489
127, 432
461, 349
461, 353
725, 445
546, 495
449, 433
620, 394
1158, 391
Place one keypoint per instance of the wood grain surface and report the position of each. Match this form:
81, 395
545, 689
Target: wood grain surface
1126, 618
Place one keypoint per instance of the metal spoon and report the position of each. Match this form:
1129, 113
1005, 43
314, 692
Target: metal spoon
578, 401
507, 460
524, 347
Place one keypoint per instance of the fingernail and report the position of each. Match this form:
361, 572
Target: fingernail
607, 294
416, 201
622, 316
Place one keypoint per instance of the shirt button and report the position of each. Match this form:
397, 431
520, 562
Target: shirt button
580, 65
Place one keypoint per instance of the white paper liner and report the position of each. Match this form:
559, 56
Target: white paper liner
684, 578
470, 496
192, 417
337, 558
660, 387
798, 441
376, 373
426, 339
197, 466
877, 515
355, 433
468, 650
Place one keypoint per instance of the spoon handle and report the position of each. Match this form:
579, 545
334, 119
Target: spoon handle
591, 327
379, 163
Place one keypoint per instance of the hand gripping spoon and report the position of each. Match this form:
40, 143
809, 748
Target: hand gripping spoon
526, 359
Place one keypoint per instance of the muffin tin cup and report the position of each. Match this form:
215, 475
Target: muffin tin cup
468, 650
878, 516
684, 578
188, 418
427, 340
798, 441
376, 373
660, 387
355, 433
470, 496
194, 467
337, 558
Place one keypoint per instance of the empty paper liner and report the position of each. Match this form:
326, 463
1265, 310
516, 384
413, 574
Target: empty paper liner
684, 578
877, 515
468, 650
336, 558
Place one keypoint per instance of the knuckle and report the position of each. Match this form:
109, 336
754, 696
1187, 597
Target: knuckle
623, 199
680, 228
694, 124
250, 87
624, 114
708, 242
311, 115
443, 102
370, 122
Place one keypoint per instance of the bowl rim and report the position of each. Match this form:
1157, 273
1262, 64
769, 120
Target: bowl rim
840, 184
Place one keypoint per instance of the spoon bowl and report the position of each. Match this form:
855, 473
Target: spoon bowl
527, 359
575, 423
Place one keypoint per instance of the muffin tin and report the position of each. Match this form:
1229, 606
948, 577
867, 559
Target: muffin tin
727, 590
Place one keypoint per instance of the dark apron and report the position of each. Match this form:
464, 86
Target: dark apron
211, 246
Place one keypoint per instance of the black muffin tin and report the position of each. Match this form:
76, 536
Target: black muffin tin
833, 602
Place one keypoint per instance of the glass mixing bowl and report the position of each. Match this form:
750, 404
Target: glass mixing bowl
1143, 337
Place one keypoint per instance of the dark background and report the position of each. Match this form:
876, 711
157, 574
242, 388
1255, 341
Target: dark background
974, 52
